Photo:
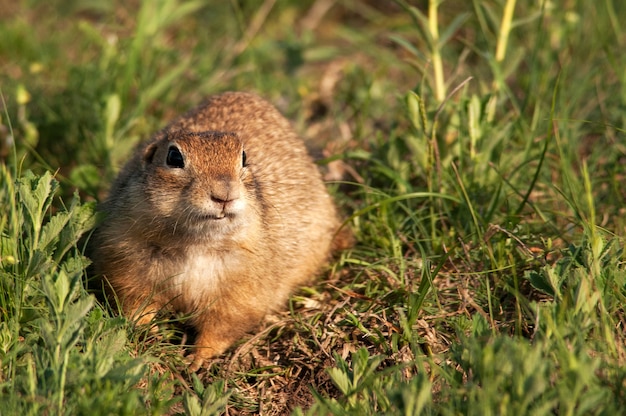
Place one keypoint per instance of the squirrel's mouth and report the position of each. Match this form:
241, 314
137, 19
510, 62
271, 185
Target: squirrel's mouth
215, 217
211, 217
198, 217
212, 223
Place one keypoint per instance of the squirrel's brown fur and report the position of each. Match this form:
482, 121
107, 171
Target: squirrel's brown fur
194, 225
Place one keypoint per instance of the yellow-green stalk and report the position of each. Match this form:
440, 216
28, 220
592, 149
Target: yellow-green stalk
440, 87
505, 29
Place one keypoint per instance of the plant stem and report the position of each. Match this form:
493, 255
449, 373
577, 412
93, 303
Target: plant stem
505, 29
440, 87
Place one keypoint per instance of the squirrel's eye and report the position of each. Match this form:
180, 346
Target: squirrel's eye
243, 158
174, 158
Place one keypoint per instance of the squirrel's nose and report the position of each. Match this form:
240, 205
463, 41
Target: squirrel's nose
224, 193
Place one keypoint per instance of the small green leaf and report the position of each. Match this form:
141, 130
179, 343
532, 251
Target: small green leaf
111, 116
192, 405
341, 380
538, 281
50, 232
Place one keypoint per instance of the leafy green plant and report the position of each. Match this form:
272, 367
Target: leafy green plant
56, 342
367, 390
210, 400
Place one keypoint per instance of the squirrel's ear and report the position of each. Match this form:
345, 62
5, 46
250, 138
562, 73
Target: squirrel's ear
148, 153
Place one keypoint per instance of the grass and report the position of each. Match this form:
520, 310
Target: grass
476, 149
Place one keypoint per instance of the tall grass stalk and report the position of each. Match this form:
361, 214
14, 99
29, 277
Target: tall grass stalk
505, 30
435, 53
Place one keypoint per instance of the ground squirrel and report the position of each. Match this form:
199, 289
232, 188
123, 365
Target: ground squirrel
221, 215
